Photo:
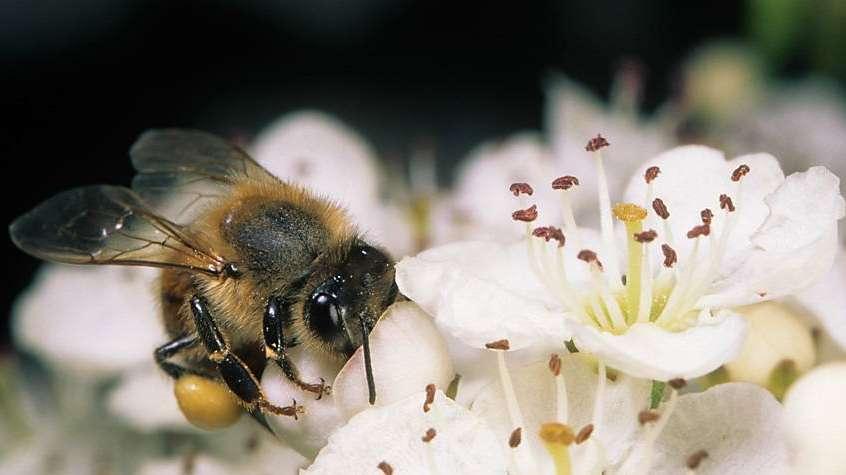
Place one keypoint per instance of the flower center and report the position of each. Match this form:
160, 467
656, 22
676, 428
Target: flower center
665, 295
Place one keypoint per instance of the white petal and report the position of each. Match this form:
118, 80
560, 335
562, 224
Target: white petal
740, 425
827, 299
407, 354
308, 433
462, 444
482, 292
144, 399
99, 320
816, 420
793, 248
648, 351
535, 390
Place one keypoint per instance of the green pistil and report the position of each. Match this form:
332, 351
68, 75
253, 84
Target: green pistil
633, 271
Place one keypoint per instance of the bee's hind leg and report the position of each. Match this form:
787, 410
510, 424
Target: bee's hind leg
237, 375
276, 349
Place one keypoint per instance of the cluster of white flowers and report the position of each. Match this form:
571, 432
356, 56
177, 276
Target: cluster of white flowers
692, 323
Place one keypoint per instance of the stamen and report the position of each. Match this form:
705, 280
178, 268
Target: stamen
561, 408
584, 434
590, 257
557, 438
739, 172
660, 208
701, 230
564, 182
652, 433
518, 188
514, 413
726, 203
696, 458
598, 406
651, 174
385, 468
677, 383
526, 215
647, 415
670, 256
550, 232
646, 236
498, 345
596, 143
430, 434
430, 397
616, 318
515, 438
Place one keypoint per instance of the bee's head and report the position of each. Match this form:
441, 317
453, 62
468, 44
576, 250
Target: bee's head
350, 290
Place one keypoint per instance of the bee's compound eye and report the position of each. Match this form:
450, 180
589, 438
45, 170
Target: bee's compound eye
206, 403
324, 313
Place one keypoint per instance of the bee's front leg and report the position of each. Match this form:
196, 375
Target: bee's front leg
276, 349
237, 375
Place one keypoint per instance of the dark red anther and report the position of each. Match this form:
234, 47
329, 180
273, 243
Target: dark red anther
385, 468
564, 182
515, 438
726, 203
670, 256
739, 172
523, 188
555, 364
430, 397
584, 433
651, 174
430, 434
660, 208
677, 383
590, 257
646, 236
647, 416
596, 143
498, 345
696, 458
526, 215
550, 232
706, 216
701, 230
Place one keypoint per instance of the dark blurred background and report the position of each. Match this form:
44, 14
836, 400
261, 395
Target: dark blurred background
81, 80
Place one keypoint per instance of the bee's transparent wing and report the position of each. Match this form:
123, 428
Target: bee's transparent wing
109, 225
180, 171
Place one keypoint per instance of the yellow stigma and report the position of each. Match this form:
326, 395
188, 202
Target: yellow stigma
557, 438
629, 212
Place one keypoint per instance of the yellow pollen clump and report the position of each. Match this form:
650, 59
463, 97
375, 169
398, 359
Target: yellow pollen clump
206, 403
629, 212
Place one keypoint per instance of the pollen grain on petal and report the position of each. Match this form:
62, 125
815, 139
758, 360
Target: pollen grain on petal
646, 416
556, 433
651, 174
550, 232
590, 257
701, 230
521, 188
385, 468
726, 203
555, 364
596, 143
696, 458
628, 212
429, 435
430, 397
526, 215
645, 236
515, 438
584, 434
498, 345
660, 208
670, 256
565, 182
706, 215
739, 172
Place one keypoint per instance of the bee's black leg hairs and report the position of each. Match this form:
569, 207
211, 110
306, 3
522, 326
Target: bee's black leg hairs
241, 381
276, 348
171, 348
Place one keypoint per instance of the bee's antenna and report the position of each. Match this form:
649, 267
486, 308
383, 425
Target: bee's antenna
368, 369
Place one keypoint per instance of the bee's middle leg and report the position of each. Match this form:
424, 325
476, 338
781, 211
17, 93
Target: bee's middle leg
237, 375
276, 349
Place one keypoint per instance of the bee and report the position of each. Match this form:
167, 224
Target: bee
251, 266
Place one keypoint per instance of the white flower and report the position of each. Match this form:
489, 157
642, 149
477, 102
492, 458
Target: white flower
326, 156
816, 421
577, 422
407, 354
717, 239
